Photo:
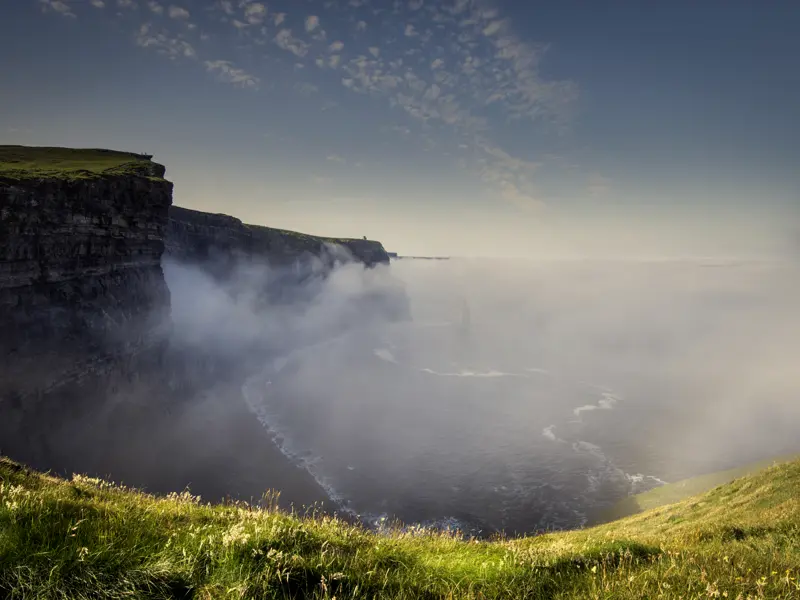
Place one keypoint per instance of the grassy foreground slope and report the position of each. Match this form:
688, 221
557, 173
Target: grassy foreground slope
680, 490
85, 538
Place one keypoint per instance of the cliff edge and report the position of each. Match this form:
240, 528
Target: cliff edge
81, 238
201, 237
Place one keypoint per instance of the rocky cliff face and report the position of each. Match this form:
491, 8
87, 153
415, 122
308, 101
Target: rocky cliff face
80, 271
206, 238
83, 301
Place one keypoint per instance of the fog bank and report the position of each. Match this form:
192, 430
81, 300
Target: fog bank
587, 378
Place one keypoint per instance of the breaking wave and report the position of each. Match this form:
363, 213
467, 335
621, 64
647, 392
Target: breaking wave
511, 496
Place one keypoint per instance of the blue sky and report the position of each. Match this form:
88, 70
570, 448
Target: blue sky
463, 127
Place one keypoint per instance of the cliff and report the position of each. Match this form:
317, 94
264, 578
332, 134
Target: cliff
90, 356
199, 237
81, 239
82, 233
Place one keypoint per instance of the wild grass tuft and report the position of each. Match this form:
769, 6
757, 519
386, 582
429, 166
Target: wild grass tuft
86, 538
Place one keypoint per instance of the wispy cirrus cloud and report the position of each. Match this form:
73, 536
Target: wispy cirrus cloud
57, 6
164, 43
456, 65
286, 41
225, 6
255, 13
312, 22
225, 71
178, 12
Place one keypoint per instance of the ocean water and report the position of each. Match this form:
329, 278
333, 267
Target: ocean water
525, 396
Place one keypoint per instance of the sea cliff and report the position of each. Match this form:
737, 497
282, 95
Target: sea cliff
195, 236
89, 365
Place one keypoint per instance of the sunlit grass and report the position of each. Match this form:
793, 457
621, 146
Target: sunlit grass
86, 538
32, 162
680, 490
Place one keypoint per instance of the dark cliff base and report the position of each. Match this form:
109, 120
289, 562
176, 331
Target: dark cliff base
210, 444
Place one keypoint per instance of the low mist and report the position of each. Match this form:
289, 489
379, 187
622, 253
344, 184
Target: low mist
515, 395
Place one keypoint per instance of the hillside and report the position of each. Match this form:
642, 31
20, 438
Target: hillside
87, 538
680, 490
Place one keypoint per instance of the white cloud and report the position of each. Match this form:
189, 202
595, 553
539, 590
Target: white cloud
226, 6
336, 46
459, 6
155, 7
336, 158
437, 64
307, 89
278, 18
415, 4
225, 71
176, 12
375, 51
171, 47
285, 40
361, 26
58, 6
255, 13
433, 92
410, 31
334, 60
97, 3
130, 4
492, 28
312, 22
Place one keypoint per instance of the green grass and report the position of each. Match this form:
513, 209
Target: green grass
85, 538
20, 163
680, 490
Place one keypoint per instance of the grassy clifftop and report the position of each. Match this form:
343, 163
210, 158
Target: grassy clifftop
22, 163
86, 538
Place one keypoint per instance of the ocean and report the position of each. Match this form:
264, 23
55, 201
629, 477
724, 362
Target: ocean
524, 396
